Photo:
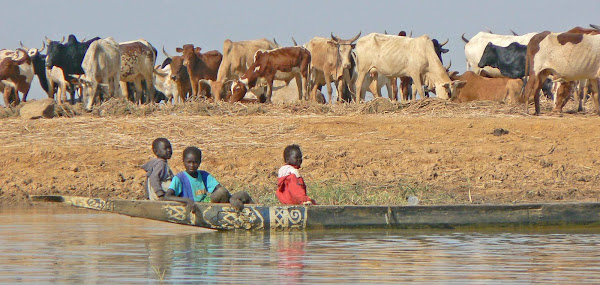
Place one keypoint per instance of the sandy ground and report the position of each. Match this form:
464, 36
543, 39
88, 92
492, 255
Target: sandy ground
449, 156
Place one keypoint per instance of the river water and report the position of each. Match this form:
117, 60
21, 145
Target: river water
69, 245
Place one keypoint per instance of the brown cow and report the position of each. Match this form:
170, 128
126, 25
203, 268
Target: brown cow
179, 75
237, 57
16, 73
199, 65
472, 87
279, 64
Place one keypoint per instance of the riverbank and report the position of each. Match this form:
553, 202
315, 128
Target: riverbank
366, 154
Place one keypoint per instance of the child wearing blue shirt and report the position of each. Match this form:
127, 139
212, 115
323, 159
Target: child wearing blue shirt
193, 185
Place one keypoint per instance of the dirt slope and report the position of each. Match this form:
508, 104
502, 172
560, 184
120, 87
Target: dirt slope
445, 154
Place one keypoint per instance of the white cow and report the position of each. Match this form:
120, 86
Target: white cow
102, 67
395, 56
476, 45
164, 83
137, 65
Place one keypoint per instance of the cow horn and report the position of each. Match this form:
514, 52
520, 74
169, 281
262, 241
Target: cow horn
410, 36
488, 30
165, 52
354, 38
275, 41
62, 40
513, 32
295, 43
464, 39
334, 38
597, 27
444, 43
84, 39
43, 46
47, 39
449, 65
23, 46
160, 72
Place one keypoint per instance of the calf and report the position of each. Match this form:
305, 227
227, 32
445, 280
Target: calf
199, 65
278, 64
472, 87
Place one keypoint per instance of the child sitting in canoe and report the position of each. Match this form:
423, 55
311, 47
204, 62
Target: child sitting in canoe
291, 189
193, 185
158, 173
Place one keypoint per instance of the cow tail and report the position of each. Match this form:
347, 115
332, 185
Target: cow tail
525, 78
353, 54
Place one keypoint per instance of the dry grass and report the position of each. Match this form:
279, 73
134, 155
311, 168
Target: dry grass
430, 107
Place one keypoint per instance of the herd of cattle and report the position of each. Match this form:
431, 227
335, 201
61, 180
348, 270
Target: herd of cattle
509, 68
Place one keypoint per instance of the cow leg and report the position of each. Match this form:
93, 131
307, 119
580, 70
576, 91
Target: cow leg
533, 86
7, 94
150, 90
389, 87
595, 95
24, 90
50, 88
404, 84
418, 87
360, 91
329, 88
139, 90
124, 89
299, 85
394, 88
374, 84
269, 90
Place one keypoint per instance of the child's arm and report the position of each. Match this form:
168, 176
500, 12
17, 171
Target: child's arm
297, 189
190, 204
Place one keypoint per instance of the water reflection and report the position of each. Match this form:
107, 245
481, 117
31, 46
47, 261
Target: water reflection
82, 246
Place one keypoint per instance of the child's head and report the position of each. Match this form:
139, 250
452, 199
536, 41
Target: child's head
192, 157
293, 155
162, 148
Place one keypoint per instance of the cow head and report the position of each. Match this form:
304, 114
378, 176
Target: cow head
344, 48
178, 69
439, 48
489, 57
238, 91
190, 54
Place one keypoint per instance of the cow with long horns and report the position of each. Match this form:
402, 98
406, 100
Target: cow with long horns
330, 62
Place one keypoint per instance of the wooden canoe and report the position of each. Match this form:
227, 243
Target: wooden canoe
224, 217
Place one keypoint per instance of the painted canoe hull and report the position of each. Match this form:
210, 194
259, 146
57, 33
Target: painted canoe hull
224, 217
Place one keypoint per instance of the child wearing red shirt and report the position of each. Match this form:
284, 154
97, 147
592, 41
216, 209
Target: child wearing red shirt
291, 189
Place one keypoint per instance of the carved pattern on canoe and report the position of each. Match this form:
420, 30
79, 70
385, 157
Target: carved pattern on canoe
223, 217
287, 217
91, 203
175, 213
